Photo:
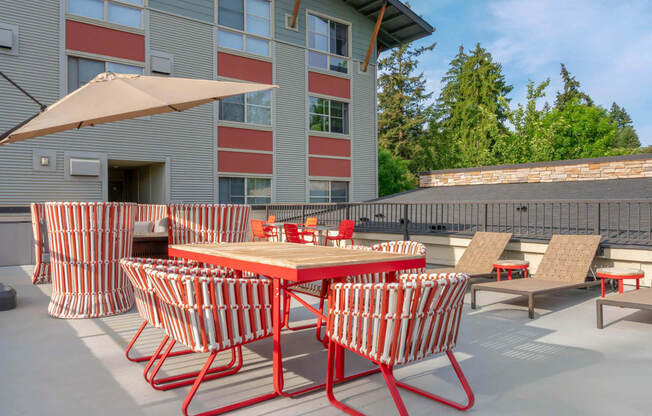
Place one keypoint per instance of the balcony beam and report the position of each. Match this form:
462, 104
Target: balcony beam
295, 13
374, 37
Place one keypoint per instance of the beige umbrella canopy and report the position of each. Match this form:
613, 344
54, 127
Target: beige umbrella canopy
112, 97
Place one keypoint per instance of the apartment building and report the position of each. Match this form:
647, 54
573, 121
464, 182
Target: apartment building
313, 139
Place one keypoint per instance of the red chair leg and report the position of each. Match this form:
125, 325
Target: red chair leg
330, 376
447, 402
391, 385
186, 379
201, 377
146, 357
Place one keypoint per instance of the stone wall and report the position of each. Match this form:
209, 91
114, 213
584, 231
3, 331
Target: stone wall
619, 167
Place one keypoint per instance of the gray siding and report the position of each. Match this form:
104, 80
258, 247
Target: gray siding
362, 27
195, 9
363, 129
290, 160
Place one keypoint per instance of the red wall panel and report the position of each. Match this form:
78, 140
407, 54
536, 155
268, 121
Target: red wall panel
249, 139
329, 147
241, 162
329, 85
104, 41
319, 166
247, 69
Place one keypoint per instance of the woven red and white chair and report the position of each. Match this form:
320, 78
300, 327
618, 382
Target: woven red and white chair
42, 259
399, 247
87, 241
213, 314
146, 301
207, 223
395, 324
151, 212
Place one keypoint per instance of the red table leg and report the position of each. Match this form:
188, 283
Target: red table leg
525, 273
498, 273
602, 286
620, 285
638, 284
509, 274
276, 323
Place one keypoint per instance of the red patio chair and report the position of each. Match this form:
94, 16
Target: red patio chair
292, 234
42, 259
397, 323
87, 241
345, 233
210, 314
309, 229
259, 231
271, 230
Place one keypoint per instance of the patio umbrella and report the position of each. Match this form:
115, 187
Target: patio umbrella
112, 97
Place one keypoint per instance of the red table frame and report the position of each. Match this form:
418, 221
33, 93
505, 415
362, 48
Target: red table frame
620, 279
509, 268
296, 276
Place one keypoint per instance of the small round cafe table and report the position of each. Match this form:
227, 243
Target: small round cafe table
620, 274
510, 265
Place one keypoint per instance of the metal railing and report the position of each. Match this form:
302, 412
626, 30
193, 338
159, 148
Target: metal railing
627, 222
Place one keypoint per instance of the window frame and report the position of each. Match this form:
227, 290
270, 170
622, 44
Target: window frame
330, 191
105, 18
105, 61
329, 54
347, 120
246, 184
246, 117
244, 32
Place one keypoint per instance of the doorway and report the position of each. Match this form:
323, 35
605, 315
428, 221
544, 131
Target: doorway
136, 181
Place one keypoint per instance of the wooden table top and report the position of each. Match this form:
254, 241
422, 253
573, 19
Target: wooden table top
296, 261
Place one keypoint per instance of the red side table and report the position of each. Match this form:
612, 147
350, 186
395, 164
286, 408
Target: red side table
510, 265
620, 274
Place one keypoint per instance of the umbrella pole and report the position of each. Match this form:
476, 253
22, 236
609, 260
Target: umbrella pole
43, 107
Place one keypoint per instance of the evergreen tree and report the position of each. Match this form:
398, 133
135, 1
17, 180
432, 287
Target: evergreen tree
626, 136
571, 91
402, 105
472, 109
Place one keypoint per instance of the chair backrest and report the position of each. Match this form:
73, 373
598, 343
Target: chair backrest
292, 233
568, 258
146, 301
483, 251
403, 247
346, 229
395, 323
311, 222
41, 252
151, 212
271, 219
207, 223
87, 241
205, 312
258, 229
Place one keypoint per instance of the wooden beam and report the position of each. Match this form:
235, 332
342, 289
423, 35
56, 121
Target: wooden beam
295, 13
374, 36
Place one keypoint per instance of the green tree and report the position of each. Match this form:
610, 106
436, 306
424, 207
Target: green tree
403, 108
571, 91
472, 108
626, 136
393, 174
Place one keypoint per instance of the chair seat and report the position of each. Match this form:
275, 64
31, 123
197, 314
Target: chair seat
512, 263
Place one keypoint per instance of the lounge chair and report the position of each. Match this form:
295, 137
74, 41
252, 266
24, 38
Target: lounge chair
635, 299
479, 257
564, 266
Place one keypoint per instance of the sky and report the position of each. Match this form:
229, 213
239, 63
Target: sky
606, 45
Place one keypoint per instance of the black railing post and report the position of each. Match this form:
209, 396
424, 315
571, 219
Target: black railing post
596, 219
406, 233
484, 217
266, 211
303, 213
348, 211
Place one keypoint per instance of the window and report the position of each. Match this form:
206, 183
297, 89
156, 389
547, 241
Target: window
328, 115
247, 25
328, 44
253, 108
80, 70
258, 190
329, 191
123, 12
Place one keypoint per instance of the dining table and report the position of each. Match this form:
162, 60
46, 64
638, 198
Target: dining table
289, 264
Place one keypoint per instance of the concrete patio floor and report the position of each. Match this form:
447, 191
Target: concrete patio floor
556, 364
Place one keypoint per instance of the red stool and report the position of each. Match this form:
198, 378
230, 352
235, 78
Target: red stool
620, 274
510, 265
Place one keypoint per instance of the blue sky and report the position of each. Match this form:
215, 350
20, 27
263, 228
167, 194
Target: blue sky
606, 45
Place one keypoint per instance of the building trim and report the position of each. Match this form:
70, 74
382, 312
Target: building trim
105, 24
105, 58
244, 126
